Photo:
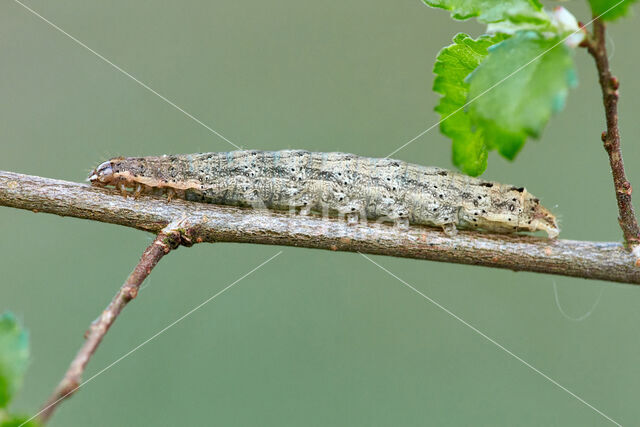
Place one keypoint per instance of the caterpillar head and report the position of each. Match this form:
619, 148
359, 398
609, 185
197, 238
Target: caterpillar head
102, 175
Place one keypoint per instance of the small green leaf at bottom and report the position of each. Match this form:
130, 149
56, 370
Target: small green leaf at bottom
14, 356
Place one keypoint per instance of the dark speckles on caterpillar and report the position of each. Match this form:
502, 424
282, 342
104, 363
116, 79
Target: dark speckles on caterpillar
337, 183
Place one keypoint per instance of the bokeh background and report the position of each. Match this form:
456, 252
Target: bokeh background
314, 338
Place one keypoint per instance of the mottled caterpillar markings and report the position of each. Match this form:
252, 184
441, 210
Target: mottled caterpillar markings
334, 183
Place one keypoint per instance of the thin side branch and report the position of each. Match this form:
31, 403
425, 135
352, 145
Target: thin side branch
211, 223
165, 241
72, 379
611, 138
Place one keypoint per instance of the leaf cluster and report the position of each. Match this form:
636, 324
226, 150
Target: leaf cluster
503, 87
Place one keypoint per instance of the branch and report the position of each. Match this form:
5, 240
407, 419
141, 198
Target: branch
626, 217
163, 243
211, 223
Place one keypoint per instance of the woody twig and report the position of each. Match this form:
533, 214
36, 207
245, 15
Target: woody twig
596, 46
211, 223
72, 380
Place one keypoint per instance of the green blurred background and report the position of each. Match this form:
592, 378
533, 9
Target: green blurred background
314, 338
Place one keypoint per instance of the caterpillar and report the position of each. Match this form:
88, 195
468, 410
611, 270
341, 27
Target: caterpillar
335, 184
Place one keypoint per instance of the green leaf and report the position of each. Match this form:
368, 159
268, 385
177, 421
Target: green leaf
492, 10
14, 356
453, 64
609, 10
516, 89
508, 143
17, 421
